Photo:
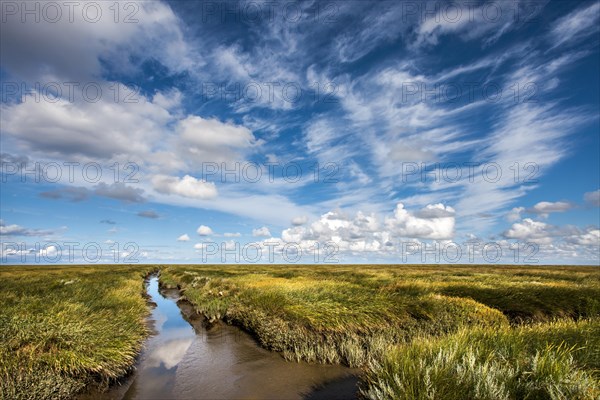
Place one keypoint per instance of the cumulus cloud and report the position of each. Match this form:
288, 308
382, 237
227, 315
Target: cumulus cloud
188, 186
554, 242
75, 48
183, 238
204, 230
228, 245
77, 127
369, 232
17, 230
261, 232
544, 208
211, 140
435, 211
532, 231
589, 237
592, 198
438, 222
514, 214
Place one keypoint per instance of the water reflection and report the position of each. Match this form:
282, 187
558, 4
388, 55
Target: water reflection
185, 361
156, 373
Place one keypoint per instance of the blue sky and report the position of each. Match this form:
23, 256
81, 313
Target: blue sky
184, 132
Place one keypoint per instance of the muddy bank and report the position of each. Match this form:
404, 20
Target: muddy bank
188, 359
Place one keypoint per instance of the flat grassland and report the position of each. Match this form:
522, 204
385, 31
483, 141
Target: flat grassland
419, 332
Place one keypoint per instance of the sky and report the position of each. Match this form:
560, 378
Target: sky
300, 132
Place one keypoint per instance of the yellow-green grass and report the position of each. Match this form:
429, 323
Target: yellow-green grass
351, 314
556, 360
63, 328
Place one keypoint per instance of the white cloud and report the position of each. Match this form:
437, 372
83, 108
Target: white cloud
188, 186
437, 222
75, 48
368, 232
17, 230
377, 25
591, 237
466, 21
515, 214
296, 221
592, 198
232, 60
168, 100
204, 230
545, 207
49, 252
326, 140
210, 140
13, 229
76, 127
568, 242
183, 238
530, 135
261, 232
232, 234
530, 230
576, 25
230, 245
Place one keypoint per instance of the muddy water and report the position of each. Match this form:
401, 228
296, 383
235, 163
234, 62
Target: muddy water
186, 361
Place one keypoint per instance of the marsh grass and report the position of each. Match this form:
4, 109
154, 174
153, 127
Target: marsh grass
64, 328
557, 360
352, 314
422, 332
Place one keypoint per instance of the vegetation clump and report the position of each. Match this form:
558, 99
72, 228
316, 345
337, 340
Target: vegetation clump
558, 360
65, 328
350, 314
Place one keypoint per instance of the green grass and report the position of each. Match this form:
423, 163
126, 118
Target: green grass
423, 332
64, 328
350, 314
559, 360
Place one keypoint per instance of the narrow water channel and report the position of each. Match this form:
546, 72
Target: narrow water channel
183, 360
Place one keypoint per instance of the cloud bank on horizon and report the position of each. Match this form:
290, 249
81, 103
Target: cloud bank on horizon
365, 132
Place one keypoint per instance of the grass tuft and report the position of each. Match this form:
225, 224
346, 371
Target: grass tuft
64, 328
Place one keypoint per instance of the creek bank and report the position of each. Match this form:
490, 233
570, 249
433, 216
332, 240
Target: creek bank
189, 358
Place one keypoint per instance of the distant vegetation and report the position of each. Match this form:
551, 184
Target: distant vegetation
419, 332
